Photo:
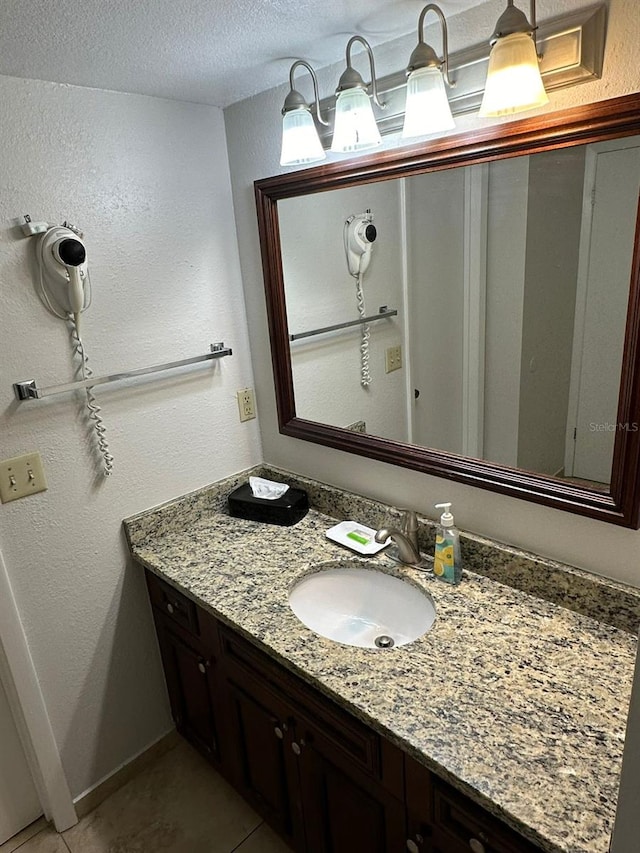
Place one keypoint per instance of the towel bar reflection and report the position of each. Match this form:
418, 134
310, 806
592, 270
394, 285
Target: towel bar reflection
381, 315
29, 390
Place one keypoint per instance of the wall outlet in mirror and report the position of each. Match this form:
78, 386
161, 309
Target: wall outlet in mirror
392, 358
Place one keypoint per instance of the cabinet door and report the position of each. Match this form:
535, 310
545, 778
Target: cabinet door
265, 768
193, 690
345, 811
461, 826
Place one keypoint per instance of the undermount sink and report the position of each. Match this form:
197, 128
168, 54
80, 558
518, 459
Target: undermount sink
360, 606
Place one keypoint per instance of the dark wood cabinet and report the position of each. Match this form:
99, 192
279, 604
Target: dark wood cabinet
190, 657
265, 769
344, 809
441, 820
191, 692
323, 779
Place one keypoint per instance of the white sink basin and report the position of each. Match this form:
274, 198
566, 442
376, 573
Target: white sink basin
364, 607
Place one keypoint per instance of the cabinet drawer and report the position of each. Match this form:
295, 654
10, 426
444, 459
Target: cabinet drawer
175, 606
461, 826
344, 739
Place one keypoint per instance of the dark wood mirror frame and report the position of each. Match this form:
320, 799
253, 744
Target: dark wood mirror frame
597, 122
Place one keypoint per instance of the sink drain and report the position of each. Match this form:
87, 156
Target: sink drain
384, 641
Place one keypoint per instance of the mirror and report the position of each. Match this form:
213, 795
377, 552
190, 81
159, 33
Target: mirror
500, 345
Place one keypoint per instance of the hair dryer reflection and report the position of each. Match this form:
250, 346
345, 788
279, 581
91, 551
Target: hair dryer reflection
359, 235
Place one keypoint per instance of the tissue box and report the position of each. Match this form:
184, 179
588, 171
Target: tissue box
287, 510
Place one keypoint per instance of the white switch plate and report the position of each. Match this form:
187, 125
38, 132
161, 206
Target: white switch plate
246, 404
393, 358
21, 476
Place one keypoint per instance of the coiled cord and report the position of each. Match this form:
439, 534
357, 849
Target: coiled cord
365, 332
92, 405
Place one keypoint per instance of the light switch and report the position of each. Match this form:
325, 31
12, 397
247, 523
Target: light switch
21, 476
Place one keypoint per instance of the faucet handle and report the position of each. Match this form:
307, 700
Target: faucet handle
409, 526
409, 520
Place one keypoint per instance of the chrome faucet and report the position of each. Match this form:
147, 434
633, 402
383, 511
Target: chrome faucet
405, 538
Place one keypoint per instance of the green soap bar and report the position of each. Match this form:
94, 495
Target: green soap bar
358, 537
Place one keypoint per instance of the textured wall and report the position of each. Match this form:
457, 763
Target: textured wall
592, 545
147, 180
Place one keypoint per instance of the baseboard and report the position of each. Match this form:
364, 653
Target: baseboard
91, 799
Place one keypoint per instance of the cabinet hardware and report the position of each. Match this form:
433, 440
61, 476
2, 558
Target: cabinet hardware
202, 667
279, 733
170, 607
476, 846
296, 748
412, 846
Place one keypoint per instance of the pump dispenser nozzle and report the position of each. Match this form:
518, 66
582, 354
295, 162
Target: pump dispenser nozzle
446, 519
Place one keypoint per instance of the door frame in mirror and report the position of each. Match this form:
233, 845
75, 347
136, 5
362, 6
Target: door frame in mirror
596, 122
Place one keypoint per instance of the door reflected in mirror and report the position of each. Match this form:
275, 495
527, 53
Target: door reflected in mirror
511, 284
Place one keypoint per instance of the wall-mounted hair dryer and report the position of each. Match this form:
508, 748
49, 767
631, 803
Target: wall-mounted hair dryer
359, 237
64, 277
64, 286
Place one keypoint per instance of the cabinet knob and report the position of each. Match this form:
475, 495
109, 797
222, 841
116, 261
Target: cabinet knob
476, 845
202, 667
170, 607
279, 732
295, 747
412, 847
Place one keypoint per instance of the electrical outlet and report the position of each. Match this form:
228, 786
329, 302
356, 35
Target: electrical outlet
246, 404
393, 358
21, 476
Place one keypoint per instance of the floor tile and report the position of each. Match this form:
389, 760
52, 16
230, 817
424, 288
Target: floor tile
46, 841
263, 840
177, 805
24, 835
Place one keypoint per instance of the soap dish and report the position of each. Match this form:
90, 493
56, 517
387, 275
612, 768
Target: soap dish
357, 537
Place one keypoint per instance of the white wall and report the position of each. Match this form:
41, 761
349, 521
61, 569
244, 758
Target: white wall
506, 254
254, 155
147, 181
554, 215
435, 251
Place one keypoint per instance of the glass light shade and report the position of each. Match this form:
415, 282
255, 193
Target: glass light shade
427, 109
355, 125
513, 83
300, 141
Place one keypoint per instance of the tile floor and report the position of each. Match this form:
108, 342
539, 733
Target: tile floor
178, 804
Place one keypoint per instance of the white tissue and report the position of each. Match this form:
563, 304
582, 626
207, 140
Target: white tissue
267, 489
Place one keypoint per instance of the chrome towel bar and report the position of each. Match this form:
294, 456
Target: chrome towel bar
29, 390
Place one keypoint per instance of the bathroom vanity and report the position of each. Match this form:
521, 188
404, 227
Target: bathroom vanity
501, 729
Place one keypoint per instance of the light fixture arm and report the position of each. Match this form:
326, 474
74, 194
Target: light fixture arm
350, 78
513, 20
295, 100
424, 56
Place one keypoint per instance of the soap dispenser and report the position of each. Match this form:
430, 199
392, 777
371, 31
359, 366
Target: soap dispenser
447, 564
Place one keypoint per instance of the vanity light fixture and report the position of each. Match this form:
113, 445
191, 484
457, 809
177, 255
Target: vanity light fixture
427, 108
514, 83
355, 126
300, 141
499, 81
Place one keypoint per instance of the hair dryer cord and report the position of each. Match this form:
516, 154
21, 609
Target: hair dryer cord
92, 405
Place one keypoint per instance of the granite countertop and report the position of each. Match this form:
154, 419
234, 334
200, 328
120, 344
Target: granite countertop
519, 703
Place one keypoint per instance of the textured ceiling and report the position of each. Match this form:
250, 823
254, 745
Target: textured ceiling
209, 51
